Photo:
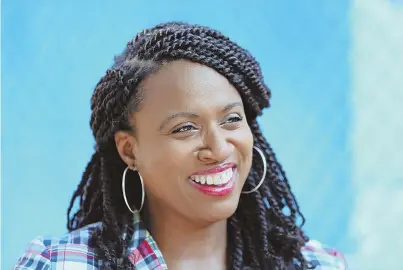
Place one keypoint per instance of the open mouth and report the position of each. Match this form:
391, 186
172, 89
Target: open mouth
215, 184
216, 179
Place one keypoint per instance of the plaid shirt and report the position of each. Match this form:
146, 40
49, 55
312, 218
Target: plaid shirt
72, 252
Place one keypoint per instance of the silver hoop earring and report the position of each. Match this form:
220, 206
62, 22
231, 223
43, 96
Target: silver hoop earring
264, 171
124, 191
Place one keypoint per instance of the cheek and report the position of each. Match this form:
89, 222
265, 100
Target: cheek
244, 144
161, 165
249, 153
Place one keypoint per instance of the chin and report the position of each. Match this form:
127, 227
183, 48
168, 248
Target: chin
221, 210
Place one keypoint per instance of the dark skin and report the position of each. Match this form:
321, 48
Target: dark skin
191, 119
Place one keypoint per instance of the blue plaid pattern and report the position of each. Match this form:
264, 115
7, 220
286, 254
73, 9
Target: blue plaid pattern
73, 252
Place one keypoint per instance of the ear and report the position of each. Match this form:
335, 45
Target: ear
126, 146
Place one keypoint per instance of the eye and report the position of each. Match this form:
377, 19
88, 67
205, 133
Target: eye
184, 128
233, 118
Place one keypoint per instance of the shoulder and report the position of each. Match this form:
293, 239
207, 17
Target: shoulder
71, 251
324, 257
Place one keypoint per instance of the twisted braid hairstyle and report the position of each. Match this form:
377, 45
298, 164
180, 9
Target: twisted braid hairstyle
261, 234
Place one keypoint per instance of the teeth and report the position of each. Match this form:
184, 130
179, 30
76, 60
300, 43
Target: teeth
214, 179
210, 180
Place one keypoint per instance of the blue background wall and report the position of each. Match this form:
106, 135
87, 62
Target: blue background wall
54, 53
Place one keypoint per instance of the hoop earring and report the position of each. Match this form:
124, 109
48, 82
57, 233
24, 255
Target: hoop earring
124, 191
264, 171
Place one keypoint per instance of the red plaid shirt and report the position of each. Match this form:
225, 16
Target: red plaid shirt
72, 252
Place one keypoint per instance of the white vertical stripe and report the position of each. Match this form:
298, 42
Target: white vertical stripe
377, 134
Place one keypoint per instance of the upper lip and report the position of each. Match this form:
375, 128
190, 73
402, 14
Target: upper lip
216, 169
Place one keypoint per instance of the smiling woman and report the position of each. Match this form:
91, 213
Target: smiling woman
182, 177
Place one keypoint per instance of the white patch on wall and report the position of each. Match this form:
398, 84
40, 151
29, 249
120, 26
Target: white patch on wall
377, 134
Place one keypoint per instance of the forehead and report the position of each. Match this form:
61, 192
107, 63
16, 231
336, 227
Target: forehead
186, 84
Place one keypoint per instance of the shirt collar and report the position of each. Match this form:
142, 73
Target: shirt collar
143, 250
145, 254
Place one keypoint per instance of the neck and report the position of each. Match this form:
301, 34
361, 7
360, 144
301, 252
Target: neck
187, 245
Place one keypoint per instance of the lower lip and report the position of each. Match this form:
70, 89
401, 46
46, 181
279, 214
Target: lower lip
221, 190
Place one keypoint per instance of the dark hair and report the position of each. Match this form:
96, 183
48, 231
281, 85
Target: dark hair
262, 235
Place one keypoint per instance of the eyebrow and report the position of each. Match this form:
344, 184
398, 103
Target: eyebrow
231, 105
227, 108
176, 115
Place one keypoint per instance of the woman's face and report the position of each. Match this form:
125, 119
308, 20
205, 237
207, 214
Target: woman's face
192, 144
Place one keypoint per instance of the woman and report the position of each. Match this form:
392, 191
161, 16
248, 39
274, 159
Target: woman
182, 177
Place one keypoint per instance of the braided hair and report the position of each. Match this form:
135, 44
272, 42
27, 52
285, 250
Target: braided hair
262, 235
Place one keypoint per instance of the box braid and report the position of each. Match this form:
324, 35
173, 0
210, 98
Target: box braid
261, 234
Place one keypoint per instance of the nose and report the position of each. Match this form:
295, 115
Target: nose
216, 147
